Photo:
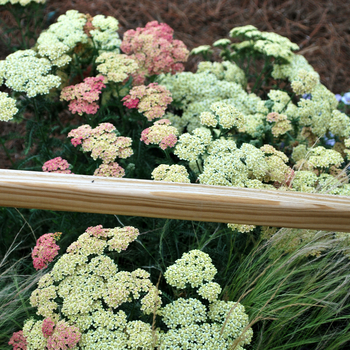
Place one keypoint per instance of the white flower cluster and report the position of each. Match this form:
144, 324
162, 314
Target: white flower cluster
7, 107
21, 2
192, 325
23, 71
105, 34
116, 67
61, 37
270, 44
171, 173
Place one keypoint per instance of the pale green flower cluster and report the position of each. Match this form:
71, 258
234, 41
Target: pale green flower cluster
194, 268
291, 69
197, 92
105, 34
116, 67
320, 157
225, 70
61, 37
21, 2
190, 147
23, 71
319, 112
339, 124
270, 44
201, 49
227, 165
192, 324
171, 173
7, 107
228, 115
306, 82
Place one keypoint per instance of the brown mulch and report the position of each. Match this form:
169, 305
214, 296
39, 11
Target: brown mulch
321, 28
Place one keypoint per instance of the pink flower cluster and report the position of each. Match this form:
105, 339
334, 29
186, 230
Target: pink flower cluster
82, 96
18, 341
57, 165
102, 142
155, 51
110, 170
64, 337
160, 133
151, 100
97, 231
45, 250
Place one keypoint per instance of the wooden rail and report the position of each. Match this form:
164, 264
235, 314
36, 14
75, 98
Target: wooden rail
81, 193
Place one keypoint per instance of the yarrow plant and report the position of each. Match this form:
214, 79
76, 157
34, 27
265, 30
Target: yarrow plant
81, 301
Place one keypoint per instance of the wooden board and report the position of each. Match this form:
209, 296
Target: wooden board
81, 193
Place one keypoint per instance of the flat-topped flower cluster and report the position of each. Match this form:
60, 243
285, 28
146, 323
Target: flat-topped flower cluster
82, 299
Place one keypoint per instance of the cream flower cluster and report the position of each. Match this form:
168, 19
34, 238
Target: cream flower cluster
80, 285
191, 323
194, 268
7, 107
105, 34
190, 147
116, 67
56, 42
23, 71
270, 44
21, 2
170, 173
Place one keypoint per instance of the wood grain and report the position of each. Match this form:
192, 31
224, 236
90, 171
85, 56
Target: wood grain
81, 193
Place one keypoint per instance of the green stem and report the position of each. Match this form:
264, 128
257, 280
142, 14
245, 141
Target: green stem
6, 151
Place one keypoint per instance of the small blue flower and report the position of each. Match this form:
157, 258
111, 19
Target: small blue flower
346, 98
329, 142
338, 97
306, 96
